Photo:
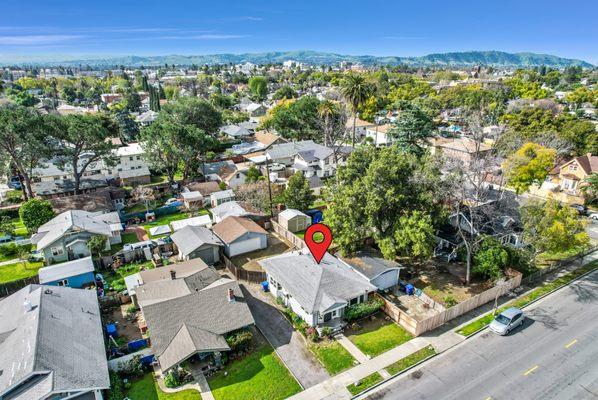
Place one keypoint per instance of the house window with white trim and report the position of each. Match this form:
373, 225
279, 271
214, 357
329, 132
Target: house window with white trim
57, 251
63, 282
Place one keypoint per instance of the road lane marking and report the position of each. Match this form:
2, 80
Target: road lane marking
571, 344
529, 371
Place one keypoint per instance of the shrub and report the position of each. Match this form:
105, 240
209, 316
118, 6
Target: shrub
12, 249
326, 331
358, 311
312, 334
35, 212
177, 377
449, 301
239, 341
116, 391
131, 368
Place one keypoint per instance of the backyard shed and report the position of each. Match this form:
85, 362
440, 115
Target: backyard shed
294, 220
381, 273
192, 199
197, 242
75, 274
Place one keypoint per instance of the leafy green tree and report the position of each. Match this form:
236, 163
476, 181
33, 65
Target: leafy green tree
296, 119
194, 111
491, 259
83, 140
392, 197
412, 130
35, 212
284, 93
96, 245
590, 188
356, 89
298, 194
253, 175
551, 227
127, 127
258, 85
23, 140
529, 165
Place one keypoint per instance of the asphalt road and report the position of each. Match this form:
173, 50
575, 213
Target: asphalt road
554, 355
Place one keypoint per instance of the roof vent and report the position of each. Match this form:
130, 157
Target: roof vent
28, 306
172, 274
231, 294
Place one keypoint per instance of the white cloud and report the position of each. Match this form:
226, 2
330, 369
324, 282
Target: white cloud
207, 36
29, 40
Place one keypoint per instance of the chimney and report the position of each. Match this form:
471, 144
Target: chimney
231, 294
172, 274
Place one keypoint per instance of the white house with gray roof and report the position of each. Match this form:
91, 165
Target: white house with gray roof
318, 293
311, 158
52, 345
65, 236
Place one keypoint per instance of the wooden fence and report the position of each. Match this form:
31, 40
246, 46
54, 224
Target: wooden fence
417, 327
8, 288
289, 236
242, 274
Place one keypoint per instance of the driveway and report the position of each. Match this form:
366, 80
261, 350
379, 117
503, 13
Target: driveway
289, 344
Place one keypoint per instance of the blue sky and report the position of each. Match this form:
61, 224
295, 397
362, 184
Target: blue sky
393, 27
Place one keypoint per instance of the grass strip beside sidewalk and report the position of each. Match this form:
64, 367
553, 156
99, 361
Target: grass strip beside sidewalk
364, 383
535, 294
410, 360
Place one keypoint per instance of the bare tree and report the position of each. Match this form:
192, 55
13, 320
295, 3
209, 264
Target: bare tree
145, 195
480, 204
333, 122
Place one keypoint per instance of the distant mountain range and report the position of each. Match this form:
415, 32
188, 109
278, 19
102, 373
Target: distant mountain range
468, 58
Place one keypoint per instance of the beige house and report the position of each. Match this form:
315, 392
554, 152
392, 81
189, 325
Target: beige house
565, 182
461, 149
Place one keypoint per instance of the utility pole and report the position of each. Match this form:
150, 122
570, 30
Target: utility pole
269, 184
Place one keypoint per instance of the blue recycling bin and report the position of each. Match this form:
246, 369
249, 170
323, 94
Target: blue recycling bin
265, 286
111, 330
409, 289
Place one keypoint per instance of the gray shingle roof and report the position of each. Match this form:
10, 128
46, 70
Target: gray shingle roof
316, 287
195, 322
65, 270
54, 229
59, 337
306, 148
370, 264
191, 238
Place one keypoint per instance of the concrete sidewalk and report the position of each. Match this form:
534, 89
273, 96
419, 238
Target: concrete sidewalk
351, 348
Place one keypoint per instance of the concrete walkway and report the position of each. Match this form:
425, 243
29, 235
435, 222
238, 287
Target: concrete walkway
351, 348
204, 388
7, 262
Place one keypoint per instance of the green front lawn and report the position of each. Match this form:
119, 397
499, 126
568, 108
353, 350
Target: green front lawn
147, 388
410, 360
333, 356
20, 229
19, 270
364, 383
116, 280
484, 321
378, 336
260, 376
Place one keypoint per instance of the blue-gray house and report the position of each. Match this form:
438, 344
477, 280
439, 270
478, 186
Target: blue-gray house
76, 274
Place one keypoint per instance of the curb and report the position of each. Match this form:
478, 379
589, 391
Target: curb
394, 376
531, 302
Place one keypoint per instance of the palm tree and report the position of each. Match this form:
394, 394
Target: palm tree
356, 90
326, 110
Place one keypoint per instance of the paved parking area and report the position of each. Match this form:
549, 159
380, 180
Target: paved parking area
289, 344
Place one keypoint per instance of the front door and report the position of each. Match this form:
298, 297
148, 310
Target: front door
327, 317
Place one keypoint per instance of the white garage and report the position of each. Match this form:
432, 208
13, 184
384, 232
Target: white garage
240, 236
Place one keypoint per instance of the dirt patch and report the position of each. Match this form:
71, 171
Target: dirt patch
126, 328
443, 281
248, 261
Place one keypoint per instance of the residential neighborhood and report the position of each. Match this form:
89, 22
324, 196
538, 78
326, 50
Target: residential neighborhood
244, 223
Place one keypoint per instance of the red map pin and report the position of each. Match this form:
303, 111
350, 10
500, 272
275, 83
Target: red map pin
318, 249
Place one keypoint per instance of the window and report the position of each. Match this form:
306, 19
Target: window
139, 157
362, 298
131, 158
353, 301
573, 167
63, 282
57, 251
